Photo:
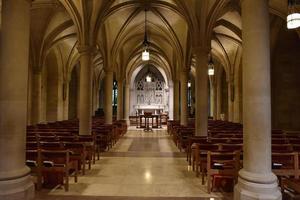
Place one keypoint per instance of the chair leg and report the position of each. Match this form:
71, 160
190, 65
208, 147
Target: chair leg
67, 180
76, 174
83, 166
208, 184
90, 162
202, 176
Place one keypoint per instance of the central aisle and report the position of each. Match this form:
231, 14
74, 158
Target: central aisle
139, 165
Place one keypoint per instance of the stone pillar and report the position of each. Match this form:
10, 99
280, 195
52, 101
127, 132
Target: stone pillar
36, 97
256, 180
176, 100
66, 100
183, 103
15, 182
120, 106
108, 85
94, 106
127, 103
214, 98
211, 99
170, 100
219, 96
230, 100
97, 98
85, 90
201, 91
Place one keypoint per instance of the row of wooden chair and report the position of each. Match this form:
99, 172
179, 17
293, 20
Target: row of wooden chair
54, 151
227, 138
52, 167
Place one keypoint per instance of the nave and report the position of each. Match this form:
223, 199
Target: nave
140, 165
74, 74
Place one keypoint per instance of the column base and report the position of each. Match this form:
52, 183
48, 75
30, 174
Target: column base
252, 186
127, 122
16, 189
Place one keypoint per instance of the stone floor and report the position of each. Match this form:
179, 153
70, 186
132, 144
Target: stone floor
140, 166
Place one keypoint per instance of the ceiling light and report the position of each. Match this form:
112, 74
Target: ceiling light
211, 67
293, 18
148, 79
146, 53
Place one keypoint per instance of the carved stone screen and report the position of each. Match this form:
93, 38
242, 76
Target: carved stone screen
151, 96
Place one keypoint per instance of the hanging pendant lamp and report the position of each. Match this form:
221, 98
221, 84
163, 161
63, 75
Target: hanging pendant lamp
146, 54
293, 18
211, 67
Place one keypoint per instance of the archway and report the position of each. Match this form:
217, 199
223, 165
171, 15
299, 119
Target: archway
149, 90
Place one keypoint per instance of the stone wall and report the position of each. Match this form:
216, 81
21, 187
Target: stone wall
285, 79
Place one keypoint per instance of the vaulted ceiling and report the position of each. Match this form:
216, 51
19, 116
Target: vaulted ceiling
115, 29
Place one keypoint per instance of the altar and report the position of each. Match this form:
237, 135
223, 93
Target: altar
149, 93
147, 119
154, 109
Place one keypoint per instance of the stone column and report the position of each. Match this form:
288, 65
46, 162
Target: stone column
85, 90
214, 98
201, 91
176, 100
183, 103
211, 98
219, 96
170, 100
97, 98
36, 97
120, 106
66, 100
256, 180
15, 182
108, 97
127, 103
230, 102
94, 107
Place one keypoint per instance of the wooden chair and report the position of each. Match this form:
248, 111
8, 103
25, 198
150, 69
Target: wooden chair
222, 165
290, 188
78, 153
201, 157
190, 149
33, 161
57, 166
90, 144
231, 147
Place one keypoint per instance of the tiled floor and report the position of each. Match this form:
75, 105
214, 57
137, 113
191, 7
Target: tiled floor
141, 165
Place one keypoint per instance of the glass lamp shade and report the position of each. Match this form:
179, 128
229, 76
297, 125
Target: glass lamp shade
148, 79
189, 84
293, 20
145, 55
211, 71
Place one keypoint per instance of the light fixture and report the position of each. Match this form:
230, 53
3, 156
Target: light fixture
293, 18
189, 84
148, 79
149, 75
211, 67
146, 54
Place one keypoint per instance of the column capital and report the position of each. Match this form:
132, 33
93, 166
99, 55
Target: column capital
202, 48
36, 70
175, 81
85, 49
184, 71
108, 70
